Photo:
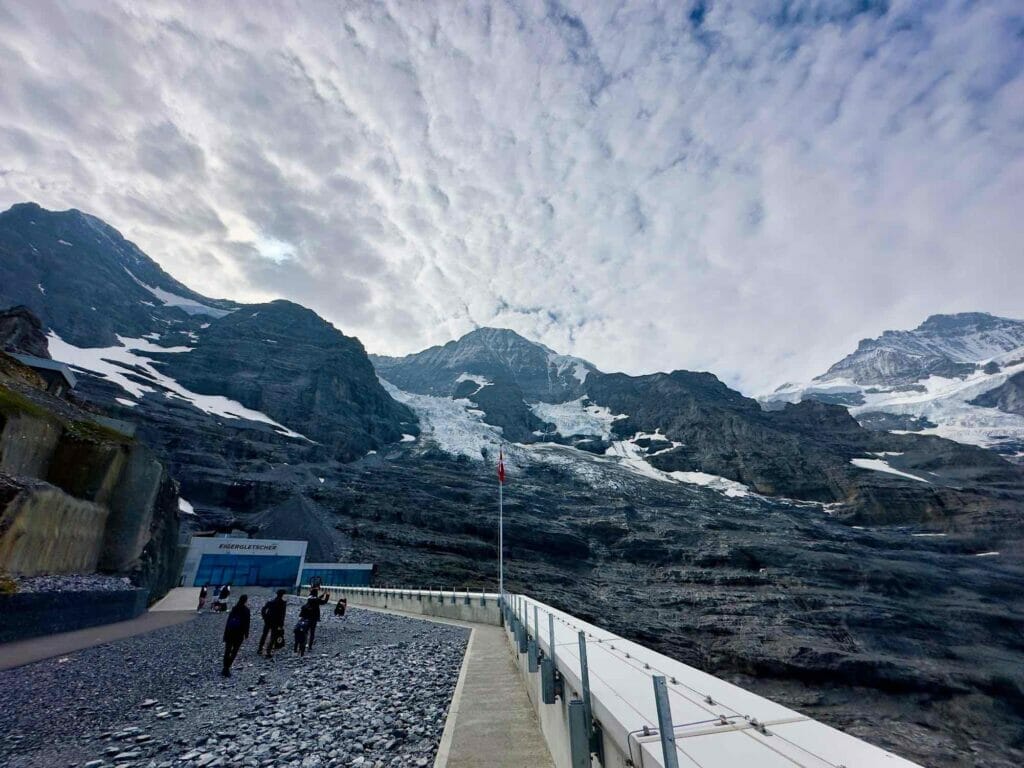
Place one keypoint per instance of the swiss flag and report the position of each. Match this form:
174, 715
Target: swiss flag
501, 466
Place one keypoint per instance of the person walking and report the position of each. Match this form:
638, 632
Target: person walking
203, 592
311, 612
273, 614
236, 630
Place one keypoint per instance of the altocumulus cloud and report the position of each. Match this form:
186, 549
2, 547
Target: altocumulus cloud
742, 187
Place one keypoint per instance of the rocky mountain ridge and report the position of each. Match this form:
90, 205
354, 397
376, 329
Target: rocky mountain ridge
104, 299
934, 379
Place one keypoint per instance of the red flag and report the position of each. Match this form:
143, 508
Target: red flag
501, 466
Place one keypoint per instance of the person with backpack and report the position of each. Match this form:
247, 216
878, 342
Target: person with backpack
236, 630
273, 614
311, 611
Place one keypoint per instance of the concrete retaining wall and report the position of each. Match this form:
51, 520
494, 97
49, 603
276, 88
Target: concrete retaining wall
476, 607
43, 530
33, 614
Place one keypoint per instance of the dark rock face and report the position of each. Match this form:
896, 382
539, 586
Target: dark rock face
802, 451
1009, 396
84, 280
286, 361
21, 331
884, 422
499, 355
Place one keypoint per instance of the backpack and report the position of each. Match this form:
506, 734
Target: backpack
302, 627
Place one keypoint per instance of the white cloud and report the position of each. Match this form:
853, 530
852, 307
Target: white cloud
648, 186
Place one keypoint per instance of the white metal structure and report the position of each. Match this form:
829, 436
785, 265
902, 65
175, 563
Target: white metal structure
716, 724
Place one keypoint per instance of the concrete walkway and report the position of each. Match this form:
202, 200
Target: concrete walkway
181, 599
493, 724
39, 648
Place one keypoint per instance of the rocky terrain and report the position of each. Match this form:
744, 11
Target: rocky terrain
860, 576
373, 693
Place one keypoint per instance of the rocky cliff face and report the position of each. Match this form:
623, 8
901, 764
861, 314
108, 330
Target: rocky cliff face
76, 496
284, 360
83, 279
489, 354
1007, 397
22, 332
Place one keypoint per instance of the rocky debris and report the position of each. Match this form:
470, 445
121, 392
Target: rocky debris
374, 692
21, 331
73, 582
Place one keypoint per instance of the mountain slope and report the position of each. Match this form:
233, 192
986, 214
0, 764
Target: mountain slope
687, 427
81, 277
933, 380
112, 310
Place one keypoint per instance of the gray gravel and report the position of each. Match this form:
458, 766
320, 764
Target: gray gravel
72, 583
374, 692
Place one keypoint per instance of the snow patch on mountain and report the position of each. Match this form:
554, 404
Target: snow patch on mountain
881, 465
452, 424
562, 364
723, 485
191, 306
113, 364
577, 417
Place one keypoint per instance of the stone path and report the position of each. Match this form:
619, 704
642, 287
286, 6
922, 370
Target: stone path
374, 693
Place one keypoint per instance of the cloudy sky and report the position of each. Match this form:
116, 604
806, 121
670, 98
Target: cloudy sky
745, 186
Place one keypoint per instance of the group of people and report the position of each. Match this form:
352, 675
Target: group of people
274, 613
220, 597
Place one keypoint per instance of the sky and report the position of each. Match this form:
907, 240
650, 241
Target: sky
735, 186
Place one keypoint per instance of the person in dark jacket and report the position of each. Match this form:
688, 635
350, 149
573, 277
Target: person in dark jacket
311, 611
236, 630
203, 592
273, 614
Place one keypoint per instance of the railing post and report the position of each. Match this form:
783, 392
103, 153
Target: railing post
665, 729
551, 636
534, 645
579, 741
585, 681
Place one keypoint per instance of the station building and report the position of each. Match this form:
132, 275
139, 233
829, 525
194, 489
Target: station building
243, 562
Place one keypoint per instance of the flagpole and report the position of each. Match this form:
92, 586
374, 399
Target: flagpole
501, 536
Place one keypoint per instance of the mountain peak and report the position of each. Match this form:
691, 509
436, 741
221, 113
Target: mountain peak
495, 355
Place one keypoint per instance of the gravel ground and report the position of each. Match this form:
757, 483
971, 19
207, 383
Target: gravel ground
374, 692
72, 583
